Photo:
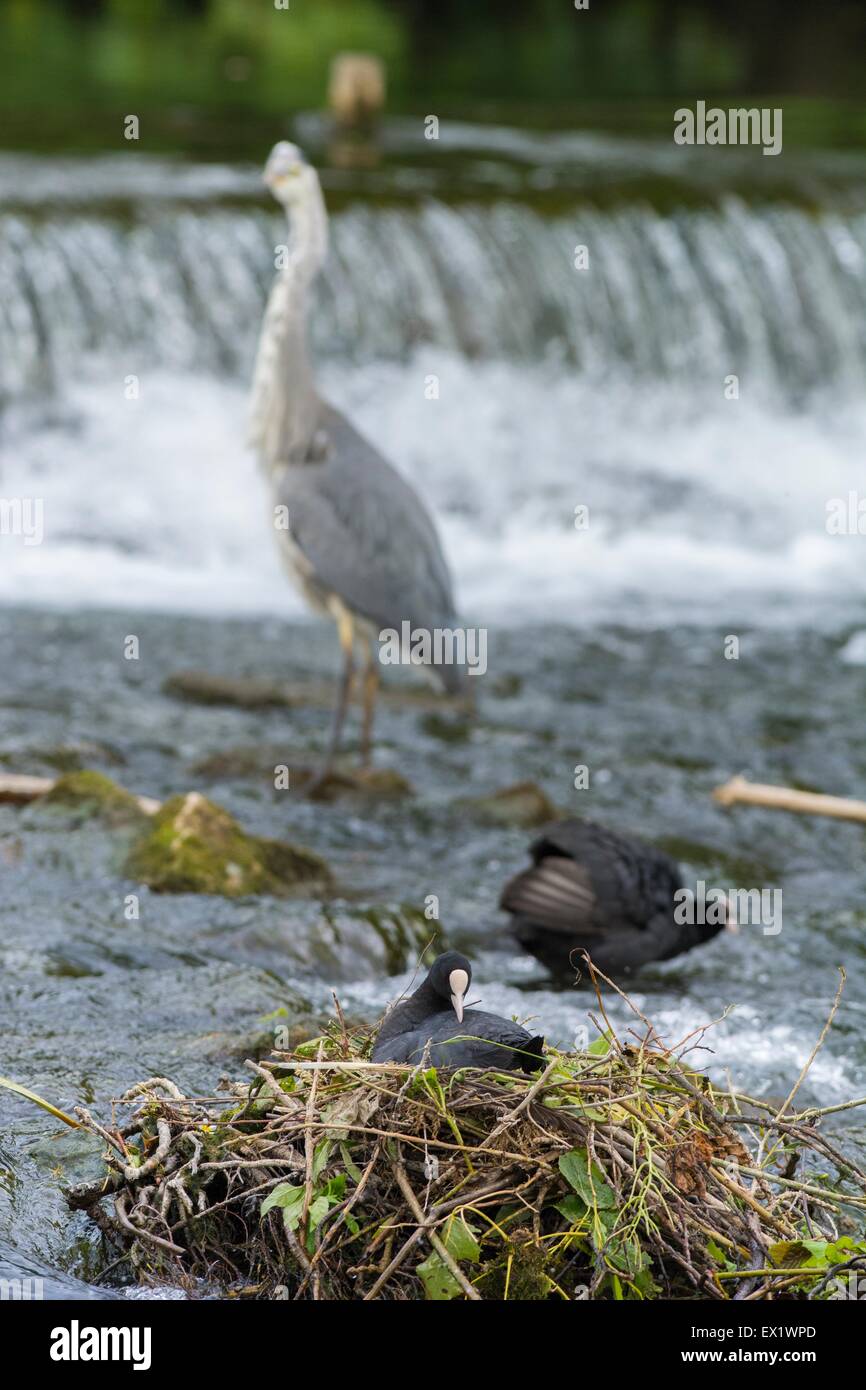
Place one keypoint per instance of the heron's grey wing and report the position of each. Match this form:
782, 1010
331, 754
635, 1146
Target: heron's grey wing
365, 533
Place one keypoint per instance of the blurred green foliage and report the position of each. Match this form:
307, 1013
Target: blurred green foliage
70, 69
234, 52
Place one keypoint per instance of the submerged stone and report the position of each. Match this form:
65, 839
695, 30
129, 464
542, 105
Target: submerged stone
259, 762
523, 805
375, 783
449, 730
200, 687
247, 692
71, 757
250, 762
194, 846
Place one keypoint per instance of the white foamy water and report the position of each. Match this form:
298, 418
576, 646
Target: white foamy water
698, 509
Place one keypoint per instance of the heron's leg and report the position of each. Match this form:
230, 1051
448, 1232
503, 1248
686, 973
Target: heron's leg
371, 688
346, 633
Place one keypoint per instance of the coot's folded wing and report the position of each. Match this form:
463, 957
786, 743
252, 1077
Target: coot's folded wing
627, 879
481, 1040
555, 893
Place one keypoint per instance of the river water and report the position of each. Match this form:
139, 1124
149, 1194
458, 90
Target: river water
606, 388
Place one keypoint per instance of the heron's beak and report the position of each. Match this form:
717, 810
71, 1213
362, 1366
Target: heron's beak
276, 180
459, 982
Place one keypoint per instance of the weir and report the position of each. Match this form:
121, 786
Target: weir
777, 290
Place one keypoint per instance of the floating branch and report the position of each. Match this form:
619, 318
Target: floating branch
740, 790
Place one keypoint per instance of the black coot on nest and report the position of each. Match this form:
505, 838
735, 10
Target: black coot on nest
457, 1037
611, 895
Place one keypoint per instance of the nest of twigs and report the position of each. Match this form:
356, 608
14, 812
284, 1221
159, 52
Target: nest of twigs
618, 1172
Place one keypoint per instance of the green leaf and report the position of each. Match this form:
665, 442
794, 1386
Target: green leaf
717, 1253
310, 1048
800, 1254
319, 1208
261, 1105
601, 1046
321, 1154
574, 1209
458, 1237
348, 1163
646, 1284
626, 1253
433, 1086
591, 1186
843, 1249
292, 1216
439, 1283
284, 1195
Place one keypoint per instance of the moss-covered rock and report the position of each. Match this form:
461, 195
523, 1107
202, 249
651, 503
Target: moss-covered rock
93, 796
404, 934
354, 942
194, 846
523, 805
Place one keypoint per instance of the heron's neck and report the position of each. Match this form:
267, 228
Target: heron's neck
285, 406
308, 236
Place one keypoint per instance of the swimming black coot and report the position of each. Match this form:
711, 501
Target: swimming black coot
590, 888
458, 1037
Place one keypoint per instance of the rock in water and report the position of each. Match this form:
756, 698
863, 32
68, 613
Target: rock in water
93, 796
194, 846
524, 804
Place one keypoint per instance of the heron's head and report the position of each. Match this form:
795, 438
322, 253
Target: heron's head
450, 976
288, 175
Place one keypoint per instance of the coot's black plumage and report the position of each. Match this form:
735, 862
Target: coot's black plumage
434, 1015
590, 888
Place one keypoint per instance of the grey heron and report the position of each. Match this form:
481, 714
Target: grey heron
355, 537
